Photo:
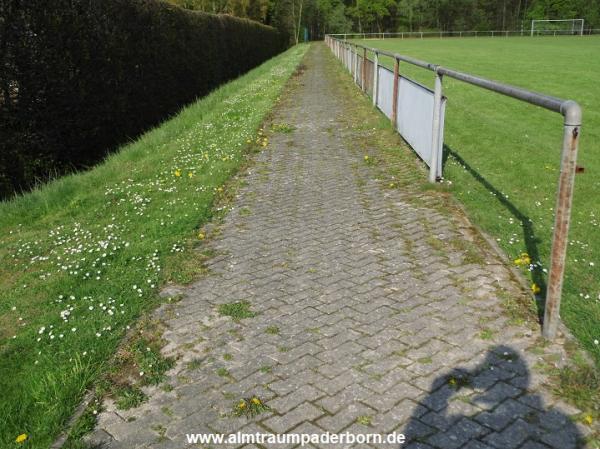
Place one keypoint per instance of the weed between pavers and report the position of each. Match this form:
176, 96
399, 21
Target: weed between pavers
222, 372
250, 407
128, 396
272, 330
237, 310
486, 334
364, 420
83, 425
282, 128
194, 364
458, 382
139, 363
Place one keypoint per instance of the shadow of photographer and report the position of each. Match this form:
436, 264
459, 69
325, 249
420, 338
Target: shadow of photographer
489, 406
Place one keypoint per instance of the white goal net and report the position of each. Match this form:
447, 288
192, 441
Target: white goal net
557, 26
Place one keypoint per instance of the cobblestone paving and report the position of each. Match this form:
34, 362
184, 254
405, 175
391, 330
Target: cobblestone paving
367, 319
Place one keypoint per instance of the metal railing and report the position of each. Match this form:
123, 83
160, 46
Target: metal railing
464, 33
572, 116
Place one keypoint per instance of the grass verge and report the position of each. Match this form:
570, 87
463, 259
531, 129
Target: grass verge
83, 257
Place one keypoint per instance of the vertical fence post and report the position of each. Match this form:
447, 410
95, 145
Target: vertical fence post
347, 57
355, 65
436, 128
564, 197
375, 77
395, 94
363, 84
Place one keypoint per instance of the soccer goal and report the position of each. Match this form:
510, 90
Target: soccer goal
557, 26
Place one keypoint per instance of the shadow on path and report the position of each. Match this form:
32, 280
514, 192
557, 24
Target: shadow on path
529, 237
489, 407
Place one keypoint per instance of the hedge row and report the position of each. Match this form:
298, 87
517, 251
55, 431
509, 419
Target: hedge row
80, 77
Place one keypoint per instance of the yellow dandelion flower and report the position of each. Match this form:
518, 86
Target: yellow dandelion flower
219, 189
366, 157
248, 141
178, 173
242, 404
535, 288
190, 174
256, 401
201, 236
588, 419
21, 438
523, 260
392, 185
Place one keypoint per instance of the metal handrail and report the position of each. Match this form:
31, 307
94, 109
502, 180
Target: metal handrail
564, 107
466, 33
572, 117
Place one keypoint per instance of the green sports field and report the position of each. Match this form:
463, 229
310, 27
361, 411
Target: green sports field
504, 155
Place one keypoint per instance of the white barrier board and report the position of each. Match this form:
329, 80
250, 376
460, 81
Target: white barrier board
414, 114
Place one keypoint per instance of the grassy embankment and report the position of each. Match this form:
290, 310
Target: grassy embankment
82, 257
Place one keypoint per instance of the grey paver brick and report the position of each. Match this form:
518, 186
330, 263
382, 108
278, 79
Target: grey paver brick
302, 413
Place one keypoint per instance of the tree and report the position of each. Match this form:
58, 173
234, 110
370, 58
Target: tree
343, 16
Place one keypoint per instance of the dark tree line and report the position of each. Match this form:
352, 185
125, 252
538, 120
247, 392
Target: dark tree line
338, 16
80, 77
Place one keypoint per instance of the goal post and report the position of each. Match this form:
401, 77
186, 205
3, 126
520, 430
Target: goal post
557, 26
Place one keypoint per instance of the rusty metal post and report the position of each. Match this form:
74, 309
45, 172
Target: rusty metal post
564, 198
375, 77
363, 84
436, 128
395, 94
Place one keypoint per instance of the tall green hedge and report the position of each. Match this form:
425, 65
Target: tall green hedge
79, 77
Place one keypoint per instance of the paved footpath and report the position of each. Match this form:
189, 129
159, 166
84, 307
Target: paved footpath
367, 320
